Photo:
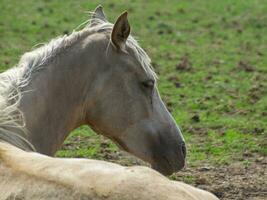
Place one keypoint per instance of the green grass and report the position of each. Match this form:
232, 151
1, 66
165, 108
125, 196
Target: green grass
220, 104
83, 143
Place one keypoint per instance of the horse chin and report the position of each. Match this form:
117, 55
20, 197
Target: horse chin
165, 168
166, 171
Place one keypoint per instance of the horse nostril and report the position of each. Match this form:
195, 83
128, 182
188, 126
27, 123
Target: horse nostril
183, 148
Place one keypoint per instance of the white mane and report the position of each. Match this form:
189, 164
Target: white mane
15, 79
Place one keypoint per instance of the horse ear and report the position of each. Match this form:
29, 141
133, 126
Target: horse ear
121, 31
98, 16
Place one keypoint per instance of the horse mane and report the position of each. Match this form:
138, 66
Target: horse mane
16, 78
11, 118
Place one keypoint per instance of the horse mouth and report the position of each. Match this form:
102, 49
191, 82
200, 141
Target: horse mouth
166, 167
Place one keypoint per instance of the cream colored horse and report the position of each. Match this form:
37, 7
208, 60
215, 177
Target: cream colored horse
30, 176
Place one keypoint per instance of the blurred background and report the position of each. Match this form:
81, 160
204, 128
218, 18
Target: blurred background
211, 58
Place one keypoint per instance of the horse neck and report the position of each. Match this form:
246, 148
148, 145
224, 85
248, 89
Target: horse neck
53, 101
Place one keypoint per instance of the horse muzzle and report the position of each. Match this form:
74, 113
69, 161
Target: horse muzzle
170, 162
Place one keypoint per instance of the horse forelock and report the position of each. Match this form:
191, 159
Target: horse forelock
132, 43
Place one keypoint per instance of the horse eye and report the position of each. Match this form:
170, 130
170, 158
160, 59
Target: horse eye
148, 84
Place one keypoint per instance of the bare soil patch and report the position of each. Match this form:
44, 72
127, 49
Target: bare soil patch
235, 181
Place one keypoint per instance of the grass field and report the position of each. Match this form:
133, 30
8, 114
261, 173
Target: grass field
211, 57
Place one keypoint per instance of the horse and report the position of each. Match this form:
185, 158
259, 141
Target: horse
97, 76
29, 176
123, 73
